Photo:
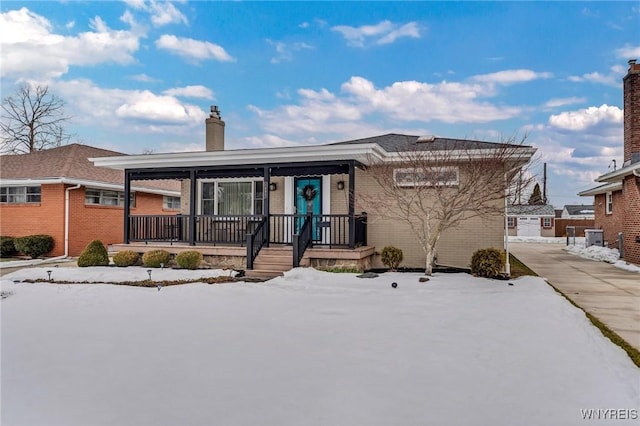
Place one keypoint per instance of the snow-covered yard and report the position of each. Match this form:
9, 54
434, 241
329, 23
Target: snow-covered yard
311, 348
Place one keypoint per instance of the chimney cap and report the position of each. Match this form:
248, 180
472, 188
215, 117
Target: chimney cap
215, 112
632, 61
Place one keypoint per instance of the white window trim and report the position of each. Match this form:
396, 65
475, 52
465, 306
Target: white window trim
218, 180
25, 194
415, 182
120, 196
608, 203
165, 202
544, 222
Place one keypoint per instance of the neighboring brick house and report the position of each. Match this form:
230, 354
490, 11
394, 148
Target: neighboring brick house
43, 191
617, 200
525, 220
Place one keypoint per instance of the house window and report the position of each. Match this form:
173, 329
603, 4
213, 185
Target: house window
20, 194
171, 203
609, 203
547, 222
231, 197
427, 176
105, 197
511, 222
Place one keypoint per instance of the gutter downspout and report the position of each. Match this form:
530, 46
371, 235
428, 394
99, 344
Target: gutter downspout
66, 218
507, 265
66, 226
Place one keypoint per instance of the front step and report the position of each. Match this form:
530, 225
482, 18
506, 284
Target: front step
271, 262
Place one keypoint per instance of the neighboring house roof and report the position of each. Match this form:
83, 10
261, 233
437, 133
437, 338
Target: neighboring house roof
364, 151
527, 210
70, 164
580, 209
602, 189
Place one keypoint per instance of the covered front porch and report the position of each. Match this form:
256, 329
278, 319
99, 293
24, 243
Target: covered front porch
245, 208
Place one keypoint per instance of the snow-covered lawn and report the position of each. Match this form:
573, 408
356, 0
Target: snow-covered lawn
311, 348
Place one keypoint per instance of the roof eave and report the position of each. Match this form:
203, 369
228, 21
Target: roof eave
86, 183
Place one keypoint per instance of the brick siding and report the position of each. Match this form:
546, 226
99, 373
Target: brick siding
86, 222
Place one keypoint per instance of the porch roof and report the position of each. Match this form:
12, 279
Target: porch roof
363, 154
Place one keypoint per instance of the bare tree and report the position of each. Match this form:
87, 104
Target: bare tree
435, 188
32, 120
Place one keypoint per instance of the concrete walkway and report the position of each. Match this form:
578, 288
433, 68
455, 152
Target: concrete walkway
611, 294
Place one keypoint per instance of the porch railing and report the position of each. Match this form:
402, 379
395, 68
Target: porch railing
255, 241
325, 230
302, 240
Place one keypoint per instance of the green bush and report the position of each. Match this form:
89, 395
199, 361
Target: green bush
155, 258
391, 257
94, 255
7, 248
126, 258
487, 262
34, 245
189, 259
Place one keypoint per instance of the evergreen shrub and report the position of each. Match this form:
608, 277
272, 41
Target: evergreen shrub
155, 258
95, 254
189, 259
488, 262
7, 248
126, 258
34, 245
391, 257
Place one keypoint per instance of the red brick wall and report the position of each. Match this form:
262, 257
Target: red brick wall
612, 223
86, 222
105, 223
631, 225
46, 217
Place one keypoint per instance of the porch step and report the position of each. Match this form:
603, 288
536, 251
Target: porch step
264, 274
274, 259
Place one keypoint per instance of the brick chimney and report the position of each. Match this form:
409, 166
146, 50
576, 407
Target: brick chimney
214, 130
631, 83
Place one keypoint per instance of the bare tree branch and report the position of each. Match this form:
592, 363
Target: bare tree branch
32, 120
433, 189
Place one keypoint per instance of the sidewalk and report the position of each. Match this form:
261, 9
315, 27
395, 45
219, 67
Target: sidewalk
611, 294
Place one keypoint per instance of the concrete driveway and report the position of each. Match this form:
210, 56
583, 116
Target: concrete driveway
611, 294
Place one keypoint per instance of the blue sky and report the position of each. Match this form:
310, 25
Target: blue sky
141, 75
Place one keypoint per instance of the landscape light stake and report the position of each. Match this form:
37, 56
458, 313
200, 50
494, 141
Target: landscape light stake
49, 273
149, 272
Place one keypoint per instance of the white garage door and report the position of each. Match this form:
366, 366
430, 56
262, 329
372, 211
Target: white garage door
528, 226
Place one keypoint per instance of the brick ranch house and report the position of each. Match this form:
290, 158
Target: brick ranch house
617, 199
58, 192
245, 208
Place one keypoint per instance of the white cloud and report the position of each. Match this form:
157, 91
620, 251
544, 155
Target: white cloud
29, 50
584, 119
196, 91
193, 49
160, 12
407, 30
137, 110
560, 102
512, 76
612, 79
384, 32
284, 51
144, 78
628, 52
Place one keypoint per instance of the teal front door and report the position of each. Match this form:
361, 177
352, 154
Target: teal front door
309, 201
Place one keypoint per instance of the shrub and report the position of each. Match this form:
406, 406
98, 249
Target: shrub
487, 262
7, 248
155, 258
94, 255
126, 258
189, 259
391, 257
34, 245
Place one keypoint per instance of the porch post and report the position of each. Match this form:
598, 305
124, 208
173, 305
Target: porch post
352, 219
192, 207
266, 206
127, 204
